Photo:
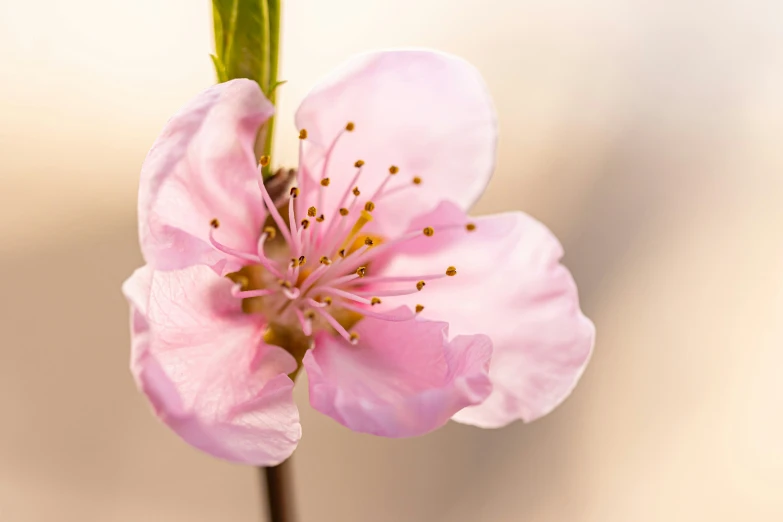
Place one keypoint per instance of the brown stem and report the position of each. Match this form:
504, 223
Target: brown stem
279, 492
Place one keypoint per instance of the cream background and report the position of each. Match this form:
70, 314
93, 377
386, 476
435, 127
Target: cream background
645, 134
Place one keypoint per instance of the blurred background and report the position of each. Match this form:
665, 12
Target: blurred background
646, 135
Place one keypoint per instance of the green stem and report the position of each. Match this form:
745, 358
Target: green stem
273, 32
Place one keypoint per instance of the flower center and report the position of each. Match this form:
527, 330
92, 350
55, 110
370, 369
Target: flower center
314, 271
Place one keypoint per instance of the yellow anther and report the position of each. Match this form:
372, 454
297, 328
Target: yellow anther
354, 337
214, 223
320, 218
325, 260
325, 182
374, 301
359, 164
309, 315
270, 232
368, 241
343, 211
369, 206
302, 260
263, 160
429, 231
311, 211
327, 300
285, 284
305, 223
294, 192
356, 191
417, 180
419, 308
470, 227
341, 253
451, 271
361, 271
394, 169
350, 126
420, 285
303, 134
293, 261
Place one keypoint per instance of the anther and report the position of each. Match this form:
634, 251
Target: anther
417, 180
353, 338
394, 170
305, 223
429, 231
294, 192
470, 227
242, 281
270, 232
420, 285
320, 218
451, 271
214, 223
369, 206
302, 260
368, 241
285, 284
350, 126
361, 271
359, 164
325, 260
419, 308
356, 191
374, 301
343, 211
327, 300
341, 253
325, 182
263, 160
309, 315
293, 261
311, 211
303, 134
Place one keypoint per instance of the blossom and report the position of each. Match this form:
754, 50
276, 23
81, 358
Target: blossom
403, 311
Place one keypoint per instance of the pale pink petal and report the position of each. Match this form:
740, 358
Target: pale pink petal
401, 380
426, 112
510, 286
202, 167
206, 370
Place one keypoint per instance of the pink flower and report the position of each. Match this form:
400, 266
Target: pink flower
403, 311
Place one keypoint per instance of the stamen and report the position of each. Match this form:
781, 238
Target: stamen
214, 223
349, 126
263, 161
325, 260
374, 301
325, 182
451, 271
368, 241
369, 206
333, 322
292, 293
386, 316
303, 134
429, 231
470, 227
265, 262
419, 308
312, 211
416, 180
313, 277
302, 260
401, 279
305, 223
320, 218
342, 293
270, 232
394, 170
362, 271
226, 249
420, 285
343, 211
278, 219
341, 253
307, 324
244, 294
356, 191
353, 338
294, 192
317, 304
359, 164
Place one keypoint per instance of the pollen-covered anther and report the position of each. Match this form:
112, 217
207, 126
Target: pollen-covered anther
285, 284
303, 134
214, 223
341, 253
394, 170
368, 241
417, 180
470, 227
428, 231
325, 182
270, 232
294, 192
451, 271
311, 211
302, 260
353, 338
263, 160
327, 300
356, 191
293, 261
320, 218
420, 285
305, 223
325, 260
419, 308
350, 126
374, 301
361, 271
343, 211
359, 164
369, 206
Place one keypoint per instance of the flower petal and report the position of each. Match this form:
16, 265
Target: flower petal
426, 112
401, 380
206, 370
511, 287
201, 167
